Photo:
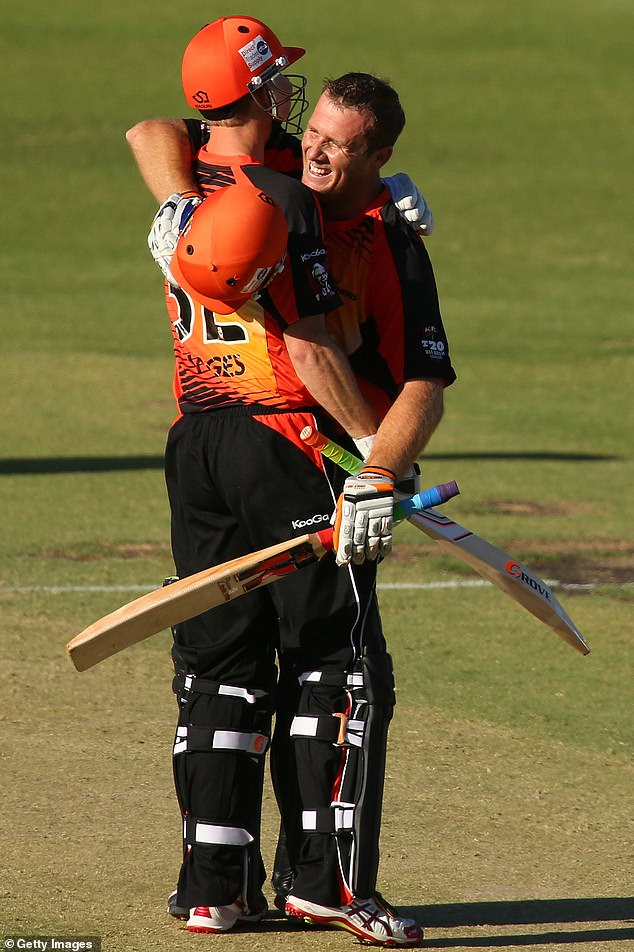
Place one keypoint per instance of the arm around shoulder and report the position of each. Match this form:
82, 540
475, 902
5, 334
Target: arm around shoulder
163, 154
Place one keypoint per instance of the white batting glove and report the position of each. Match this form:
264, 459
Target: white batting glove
363, 517
167, 226
411, 203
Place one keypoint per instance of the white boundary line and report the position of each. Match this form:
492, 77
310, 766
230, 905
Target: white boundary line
385, 586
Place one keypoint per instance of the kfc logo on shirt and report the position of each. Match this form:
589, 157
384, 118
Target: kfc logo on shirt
322, 278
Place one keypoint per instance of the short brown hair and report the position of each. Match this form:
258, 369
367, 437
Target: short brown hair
377, 99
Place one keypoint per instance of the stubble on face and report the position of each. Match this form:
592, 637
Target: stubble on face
336, 163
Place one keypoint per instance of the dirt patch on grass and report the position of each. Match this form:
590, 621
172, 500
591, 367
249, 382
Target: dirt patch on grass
137, 550
520, 507
586, 562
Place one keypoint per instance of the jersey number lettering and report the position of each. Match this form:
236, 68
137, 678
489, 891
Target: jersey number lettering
215, 329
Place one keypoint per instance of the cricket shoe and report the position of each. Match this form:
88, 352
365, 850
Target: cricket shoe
179, 912
373, 920
212, 919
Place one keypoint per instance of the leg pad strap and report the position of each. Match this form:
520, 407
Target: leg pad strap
338, 818
185, 685
201, 739
201, 831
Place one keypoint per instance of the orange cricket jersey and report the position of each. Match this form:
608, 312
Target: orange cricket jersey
389, 323
240, 360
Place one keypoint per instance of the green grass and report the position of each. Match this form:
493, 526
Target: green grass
509, 776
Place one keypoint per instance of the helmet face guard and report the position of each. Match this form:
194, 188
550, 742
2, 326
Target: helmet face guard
286, 93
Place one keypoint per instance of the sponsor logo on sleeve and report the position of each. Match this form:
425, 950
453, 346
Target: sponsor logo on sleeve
435, 349
322, 278
315, 253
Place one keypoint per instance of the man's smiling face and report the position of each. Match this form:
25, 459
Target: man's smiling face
337, 165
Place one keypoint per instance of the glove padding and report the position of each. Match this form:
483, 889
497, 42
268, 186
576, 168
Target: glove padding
167, 227
411, 203
363, 517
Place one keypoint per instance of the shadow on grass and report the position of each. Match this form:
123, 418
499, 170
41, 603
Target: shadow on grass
523, 912
78, 464
538, 456
27, 466
526, 912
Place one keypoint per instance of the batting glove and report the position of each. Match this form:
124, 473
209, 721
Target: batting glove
411, 203
363, 517
167, 227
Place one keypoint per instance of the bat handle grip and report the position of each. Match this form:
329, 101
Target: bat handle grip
434, 496
326, 538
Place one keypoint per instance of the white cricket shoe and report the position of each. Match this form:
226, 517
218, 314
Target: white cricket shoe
212, 919
373, 920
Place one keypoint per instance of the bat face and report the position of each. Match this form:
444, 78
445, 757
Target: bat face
193, 595
508, 574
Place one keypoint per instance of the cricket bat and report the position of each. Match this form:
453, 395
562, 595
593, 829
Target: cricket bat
188, 597
507, 573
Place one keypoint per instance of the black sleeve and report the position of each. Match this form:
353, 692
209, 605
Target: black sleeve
426, 348
198, 133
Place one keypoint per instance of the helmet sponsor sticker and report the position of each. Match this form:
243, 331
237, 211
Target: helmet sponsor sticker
256, 280
256, 53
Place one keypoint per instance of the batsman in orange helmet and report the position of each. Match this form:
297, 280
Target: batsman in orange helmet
234, 55
231, 248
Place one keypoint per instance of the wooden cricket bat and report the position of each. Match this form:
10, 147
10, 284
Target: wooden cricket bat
509, 575
195, 594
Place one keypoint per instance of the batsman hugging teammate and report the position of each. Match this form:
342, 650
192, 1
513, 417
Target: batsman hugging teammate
352, 344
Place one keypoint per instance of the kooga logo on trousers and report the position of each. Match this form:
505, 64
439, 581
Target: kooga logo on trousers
302, 523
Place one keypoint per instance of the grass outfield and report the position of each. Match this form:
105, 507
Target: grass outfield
508, 817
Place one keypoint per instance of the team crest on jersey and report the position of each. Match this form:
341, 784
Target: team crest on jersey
255, 53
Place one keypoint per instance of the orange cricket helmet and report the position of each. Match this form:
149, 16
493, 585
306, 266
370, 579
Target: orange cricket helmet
224, 59
233, 245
